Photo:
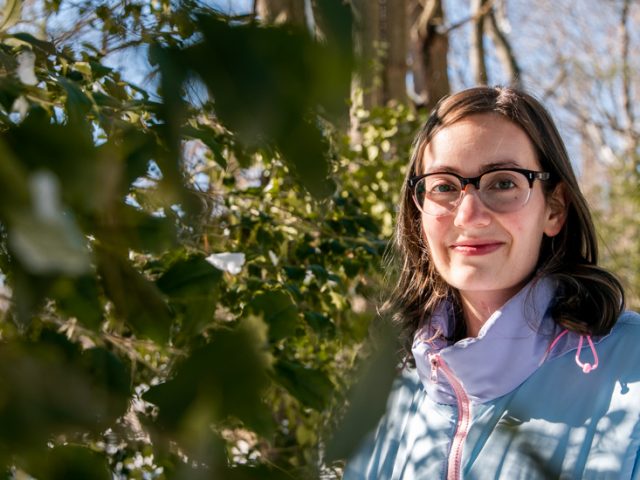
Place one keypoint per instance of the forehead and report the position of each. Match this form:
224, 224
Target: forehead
477, 142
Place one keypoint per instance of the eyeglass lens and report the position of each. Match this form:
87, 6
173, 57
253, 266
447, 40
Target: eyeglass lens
501, 191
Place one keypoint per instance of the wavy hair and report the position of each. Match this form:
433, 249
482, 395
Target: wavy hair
589, 299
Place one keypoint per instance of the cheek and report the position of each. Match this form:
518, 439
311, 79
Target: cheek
527, 237
434, 231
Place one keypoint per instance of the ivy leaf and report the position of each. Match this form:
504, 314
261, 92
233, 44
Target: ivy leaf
73, 392
225, 377
368, 396
210, 139
79, 297
312, 387
192, 287
136, 299
278, 311
70, 462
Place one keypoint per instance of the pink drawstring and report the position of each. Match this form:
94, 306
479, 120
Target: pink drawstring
553, 344
586, 367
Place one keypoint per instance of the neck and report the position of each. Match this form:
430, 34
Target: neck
477, 307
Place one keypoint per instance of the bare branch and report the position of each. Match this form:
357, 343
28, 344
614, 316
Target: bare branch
473, 18
626, 71
503, 49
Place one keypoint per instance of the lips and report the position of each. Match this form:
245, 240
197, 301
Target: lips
476, 247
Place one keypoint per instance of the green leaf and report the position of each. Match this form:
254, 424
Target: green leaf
69, 462
65, 150
134, 229
178, 281
368, 396
48, 245
320, 323
227, 377
47, 47
79, 297
210, 139
268, 72
278, 311
50, 389
135, 298
78, 103
192, 287
312, 387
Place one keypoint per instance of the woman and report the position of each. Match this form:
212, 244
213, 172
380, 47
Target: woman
525, 364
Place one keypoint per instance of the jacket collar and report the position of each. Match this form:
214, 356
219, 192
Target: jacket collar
510, 346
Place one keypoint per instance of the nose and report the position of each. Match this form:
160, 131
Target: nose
471, 211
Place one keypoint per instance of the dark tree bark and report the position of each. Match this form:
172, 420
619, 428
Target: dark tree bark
367, 21
394, 19
476, 51
429, 49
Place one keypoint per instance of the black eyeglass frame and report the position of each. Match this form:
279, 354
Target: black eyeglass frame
531, 176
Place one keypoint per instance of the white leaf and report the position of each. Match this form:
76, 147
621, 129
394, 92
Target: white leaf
26, 65
20, 106
46, 239
227, 261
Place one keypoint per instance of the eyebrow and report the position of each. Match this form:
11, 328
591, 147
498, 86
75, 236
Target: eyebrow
484, 168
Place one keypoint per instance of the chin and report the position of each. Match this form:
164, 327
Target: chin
484, 283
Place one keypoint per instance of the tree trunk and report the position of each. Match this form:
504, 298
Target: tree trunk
394, 19
429, 48
476, 51
281, 11
367, 43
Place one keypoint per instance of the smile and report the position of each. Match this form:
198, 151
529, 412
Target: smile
476, 248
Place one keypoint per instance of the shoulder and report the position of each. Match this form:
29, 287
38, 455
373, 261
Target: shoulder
619, 353
629, 318
626, 330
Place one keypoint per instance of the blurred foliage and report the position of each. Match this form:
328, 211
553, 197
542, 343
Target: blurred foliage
618, 223
187, 281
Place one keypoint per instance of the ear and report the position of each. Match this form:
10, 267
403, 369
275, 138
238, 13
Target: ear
557, 208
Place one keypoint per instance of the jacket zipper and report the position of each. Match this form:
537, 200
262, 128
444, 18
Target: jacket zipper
464, 415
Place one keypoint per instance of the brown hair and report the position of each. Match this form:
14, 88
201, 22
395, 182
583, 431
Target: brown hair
589, 299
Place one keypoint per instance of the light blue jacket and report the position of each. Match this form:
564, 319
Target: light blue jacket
505, 405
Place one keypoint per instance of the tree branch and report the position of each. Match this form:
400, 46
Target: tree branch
503, 49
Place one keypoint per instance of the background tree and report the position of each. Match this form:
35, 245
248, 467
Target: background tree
430, 47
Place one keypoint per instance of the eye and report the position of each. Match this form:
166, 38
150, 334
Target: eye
504, 184
441, 184
503, 181
443, 187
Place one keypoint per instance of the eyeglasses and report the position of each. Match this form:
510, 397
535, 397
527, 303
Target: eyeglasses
502, 190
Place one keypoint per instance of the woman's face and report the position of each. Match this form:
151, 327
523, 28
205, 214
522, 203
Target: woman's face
476, 250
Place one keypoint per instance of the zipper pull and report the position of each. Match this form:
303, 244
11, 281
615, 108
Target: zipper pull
433, 358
